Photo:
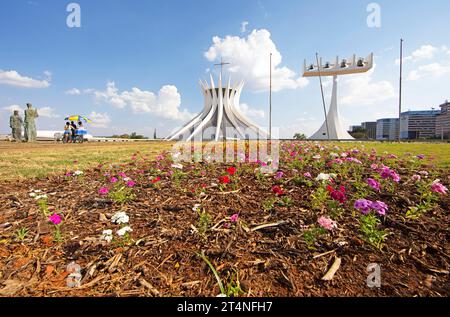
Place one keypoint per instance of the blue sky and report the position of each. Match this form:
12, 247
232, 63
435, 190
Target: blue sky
151, 55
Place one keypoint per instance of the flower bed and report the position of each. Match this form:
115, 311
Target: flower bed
165, 228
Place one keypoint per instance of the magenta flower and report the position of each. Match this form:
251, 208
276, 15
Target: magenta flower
131, 183
363, 205
374, 184
327, 223
103, 191
307, 174
437, 187
380, 207
234, 218
122, 174
395, 177
279, 175
55, 219
385, 172
68, 174
113, 180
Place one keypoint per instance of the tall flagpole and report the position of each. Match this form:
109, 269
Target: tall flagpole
270, 99
323, 97
400, 88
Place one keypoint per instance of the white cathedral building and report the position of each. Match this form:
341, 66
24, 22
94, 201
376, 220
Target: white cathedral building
220, 118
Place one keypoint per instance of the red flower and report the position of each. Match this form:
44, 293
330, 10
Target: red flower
278, 190
224, 179
338, 195
231, 170
156, 179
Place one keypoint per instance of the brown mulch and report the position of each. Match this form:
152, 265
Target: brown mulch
163, 260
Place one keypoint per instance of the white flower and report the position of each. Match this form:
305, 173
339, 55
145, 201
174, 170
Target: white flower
176, 155
107, 235
178, 166
127, 179
316, 157
124, 231
33, 194
196, 207
78, 173
324, 177
38, 197
120, 217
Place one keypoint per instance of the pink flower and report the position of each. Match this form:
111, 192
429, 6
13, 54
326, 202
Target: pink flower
131, 183
114, 180
386, 173
234, 218
374, 184
68, 174
279, 175
307, 174
374, 166
103, 191
416, 178
437, 187
327, 223
122, 174
55, 219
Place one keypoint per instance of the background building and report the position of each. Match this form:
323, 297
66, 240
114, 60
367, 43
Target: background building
443, 122
418, 124
387, 129
371, 129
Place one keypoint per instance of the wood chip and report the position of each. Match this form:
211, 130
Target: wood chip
332, 271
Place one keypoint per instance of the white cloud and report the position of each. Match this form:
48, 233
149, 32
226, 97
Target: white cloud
165, 105
249, 58
423, 53
13, 108
99, 120
13, 78
361, 90
244, 26
430, 70
47, 112
250, 112
73, 92
446, 50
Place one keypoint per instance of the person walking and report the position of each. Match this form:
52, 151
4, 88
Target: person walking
16, 124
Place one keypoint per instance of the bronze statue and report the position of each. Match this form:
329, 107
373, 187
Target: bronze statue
16, 123
30, 126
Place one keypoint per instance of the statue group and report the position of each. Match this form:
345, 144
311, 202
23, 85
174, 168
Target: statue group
16, 123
